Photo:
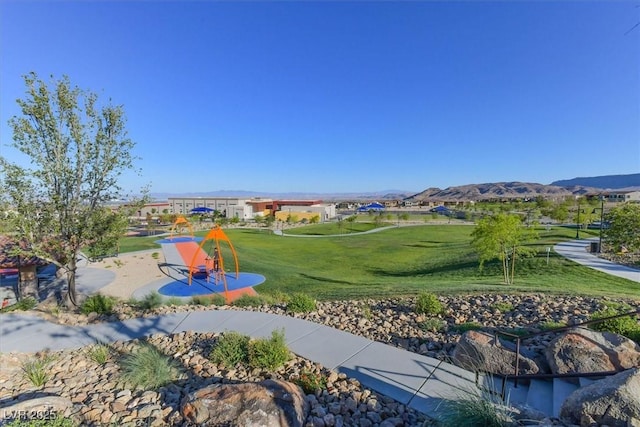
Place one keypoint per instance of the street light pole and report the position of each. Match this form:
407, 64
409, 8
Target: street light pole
578, 221
601, 223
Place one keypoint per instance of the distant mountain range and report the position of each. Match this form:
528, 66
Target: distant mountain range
612, 182
505, 190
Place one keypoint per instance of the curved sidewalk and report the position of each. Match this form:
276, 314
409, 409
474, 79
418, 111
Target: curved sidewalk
417, 381
576, 250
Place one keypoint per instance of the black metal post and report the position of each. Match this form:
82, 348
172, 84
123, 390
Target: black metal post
601, 222
578, 221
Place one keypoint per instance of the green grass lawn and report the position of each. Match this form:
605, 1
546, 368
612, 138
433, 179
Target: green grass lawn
402, 261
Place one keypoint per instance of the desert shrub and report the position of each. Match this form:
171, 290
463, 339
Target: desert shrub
311, 381
433, 325
173, 301
279, 297
468, 326
99, 353
547, 326
503, 306
249, 301
366, 312
147, 368
55, 421
269, 353
471, 410
149, 301
230, 349
301, 303
98, 303
23, 305
429, 304
627, 326
207, 300
36, 369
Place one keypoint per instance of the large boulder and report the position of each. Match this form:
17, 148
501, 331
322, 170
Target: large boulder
479, 351
270, 403
613, 401
36, 408
583, 350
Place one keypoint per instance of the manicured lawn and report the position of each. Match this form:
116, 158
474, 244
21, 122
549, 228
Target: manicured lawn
403, 261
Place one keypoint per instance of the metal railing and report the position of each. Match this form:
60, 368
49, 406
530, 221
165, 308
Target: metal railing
516, 376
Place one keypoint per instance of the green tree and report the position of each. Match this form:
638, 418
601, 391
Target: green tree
351, 219
502, 236
624, 227
77, 151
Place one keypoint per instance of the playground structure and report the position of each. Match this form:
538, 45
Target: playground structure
214, 262
180, 223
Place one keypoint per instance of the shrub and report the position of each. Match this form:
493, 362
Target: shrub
173, 301
471, 409
98, 303
468, 326
301, 303
147, 368
547, 326
429, 304
23, 305
56, 421
155, 255
207, 300
627, 326
36, 370
248, 301
150, 301
269, 353
232, 348
433, 325
503, 306
99, 353
311, 381
280, 297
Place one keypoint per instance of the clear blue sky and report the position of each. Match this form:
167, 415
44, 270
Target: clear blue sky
345, 96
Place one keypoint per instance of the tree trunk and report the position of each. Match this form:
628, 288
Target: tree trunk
72, 296
28, 283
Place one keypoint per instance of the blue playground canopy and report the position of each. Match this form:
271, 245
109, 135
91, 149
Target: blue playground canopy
375, 206
201, 209
441, 210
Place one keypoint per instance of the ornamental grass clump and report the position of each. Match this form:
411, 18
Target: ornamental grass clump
36, 369
99, 304
147, 368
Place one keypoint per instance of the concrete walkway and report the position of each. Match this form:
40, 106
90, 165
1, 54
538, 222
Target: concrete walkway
418, 381
577, 251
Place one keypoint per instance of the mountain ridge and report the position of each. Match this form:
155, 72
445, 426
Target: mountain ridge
483, 191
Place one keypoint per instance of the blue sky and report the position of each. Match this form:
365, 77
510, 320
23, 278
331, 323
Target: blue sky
344, 96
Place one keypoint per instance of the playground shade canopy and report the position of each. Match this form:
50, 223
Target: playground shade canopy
201, 209
440, 210
371, 207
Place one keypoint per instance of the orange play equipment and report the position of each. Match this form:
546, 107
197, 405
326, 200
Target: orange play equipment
180, 223
214, 263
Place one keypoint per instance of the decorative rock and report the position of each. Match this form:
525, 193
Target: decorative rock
478, 351
38, 407
583, 350
268, 403
613, 401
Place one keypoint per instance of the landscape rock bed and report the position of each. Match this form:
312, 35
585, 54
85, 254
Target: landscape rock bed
99, 395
